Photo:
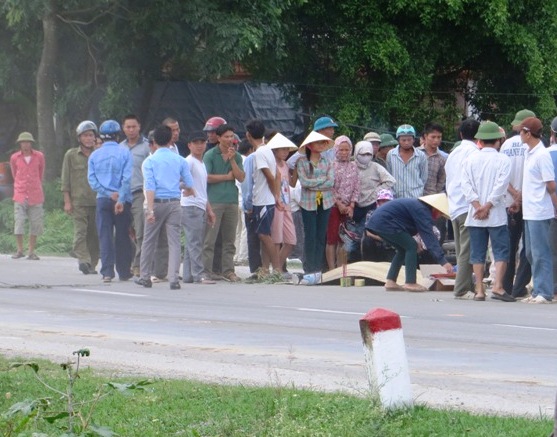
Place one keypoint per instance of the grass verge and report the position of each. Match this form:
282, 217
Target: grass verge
186, 408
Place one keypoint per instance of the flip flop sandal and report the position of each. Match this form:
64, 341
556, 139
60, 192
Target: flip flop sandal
419, 289
396, 288
505, 297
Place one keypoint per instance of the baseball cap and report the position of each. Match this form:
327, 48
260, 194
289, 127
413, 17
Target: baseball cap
532, 124
197, 136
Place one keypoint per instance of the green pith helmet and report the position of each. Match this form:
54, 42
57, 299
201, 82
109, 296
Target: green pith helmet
387, 140
521, 115
25, 136
489, 131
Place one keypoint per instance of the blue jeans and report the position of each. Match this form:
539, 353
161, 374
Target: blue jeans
479, 239
114, 238
315, 233
538, 252
406, 252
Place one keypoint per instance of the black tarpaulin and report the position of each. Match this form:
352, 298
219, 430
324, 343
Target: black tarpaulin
192, 103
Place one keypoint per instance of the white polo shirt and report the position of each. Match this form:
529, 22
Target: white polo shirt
538, 169
264, 158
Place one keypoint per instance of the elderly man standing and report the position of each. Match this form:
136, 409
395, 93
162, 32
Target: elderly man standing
109, 174
27, 167
79, 199
164, 173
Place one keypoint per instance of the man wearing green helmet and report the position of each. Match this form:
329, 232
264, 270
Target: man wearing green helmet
485, 182
27, 167
79, 199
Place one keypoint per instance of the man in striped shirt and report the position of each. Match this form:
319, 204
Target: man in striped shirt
407, 164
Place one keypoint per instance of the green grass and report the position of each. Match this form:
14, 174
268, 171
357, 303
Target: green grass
186, 408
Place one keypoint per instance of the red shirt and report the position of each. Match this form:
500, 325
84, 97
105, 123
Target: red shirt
28, 178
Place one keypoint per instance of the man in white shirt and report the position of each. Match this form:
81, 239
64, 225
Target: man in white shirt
458, 206
485, 182
515, 149
196, 212
538, 206
265, 198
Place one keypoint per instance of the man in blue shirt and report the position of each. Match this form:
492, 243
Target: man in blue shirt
166, 175
109, 174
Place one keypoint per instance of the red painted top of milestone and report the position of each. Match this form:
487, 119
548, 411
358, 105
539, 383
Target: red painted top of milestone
380, 319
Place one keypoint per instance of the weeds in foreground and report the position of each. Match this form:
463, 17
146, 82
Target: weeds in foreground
76, 419
175, 407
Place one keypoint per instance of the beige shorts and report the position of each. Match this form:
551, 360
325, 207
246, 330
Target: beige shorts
24, 212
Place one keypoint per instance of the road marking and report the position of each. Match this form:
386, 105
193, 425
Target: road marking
524, 327
86, 290
317, 310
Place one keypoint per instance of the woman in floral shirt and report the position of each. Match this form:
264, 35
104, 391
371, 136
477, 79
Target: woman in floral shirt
316, 176
345, 192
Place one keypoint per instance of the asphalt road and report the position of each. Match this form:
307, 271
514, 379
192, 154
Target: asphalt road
482, 356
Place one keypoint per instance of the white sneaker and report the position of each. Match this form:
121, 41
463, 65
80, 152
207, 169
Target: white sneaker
527, 299
469, 295
539, 299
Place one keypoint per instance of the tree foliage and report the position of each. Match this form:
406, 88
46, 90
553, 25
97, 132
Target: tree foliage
374, 64
98, 53
387, 62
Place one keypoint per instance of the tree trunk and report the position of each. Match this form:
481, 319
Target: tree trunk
45, 94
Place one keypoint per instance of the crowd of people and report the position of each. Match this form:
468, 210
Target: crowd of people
263, 199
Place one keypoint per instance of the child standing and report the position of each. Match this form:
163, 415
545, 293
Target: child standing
283, 231
316, 175
346, 192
